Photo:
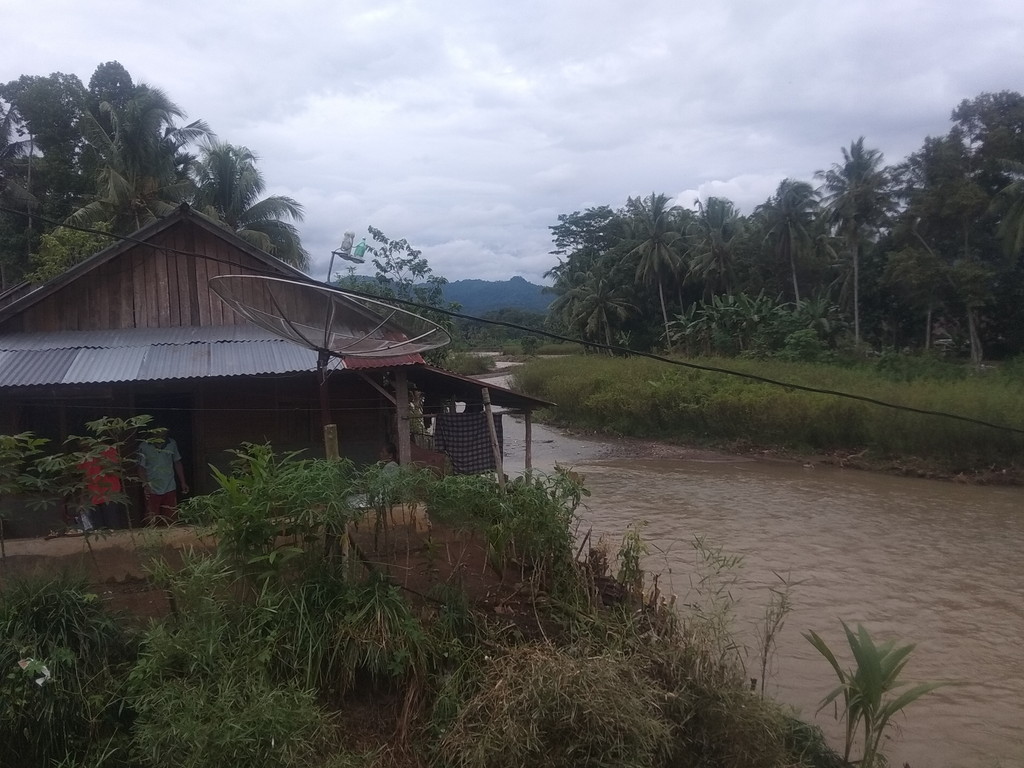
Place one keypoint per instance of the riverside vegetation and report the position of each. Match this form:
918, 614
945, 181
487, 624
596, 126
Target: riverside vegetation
490, 640
646, 398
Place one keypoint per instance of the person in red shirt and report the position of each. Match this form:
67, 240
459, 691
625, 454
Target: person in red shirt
103, 489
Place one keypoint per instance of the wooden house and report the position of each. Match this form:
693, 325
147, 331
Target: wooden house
136, 329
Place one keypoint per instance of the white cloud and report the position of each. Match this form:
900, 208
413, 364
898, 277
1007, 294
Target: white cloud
468, 127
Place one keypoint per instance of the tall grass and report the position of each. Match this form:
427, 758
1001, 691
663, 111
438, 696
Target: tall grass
540, 705
646, 398
65, 697
204, 689
469, 363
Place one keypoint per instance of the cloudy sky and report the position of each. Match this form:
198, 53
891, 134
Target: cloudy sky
467, 126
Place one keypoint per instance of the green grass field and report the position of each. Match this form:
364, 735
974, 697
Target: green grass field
648, 398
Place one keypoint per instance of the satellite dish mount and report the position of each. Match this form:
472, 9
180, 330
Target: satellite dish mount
329, 321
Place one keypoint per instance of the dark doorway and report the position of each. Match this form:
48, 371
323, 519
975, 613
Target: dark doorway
174, 411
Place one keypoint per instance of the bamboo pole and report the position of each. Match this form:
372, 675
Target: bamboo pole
498, 465
402, 427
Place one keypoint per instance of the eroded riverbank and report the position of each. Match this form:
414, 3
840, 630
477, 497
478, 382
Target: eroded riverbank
925, 561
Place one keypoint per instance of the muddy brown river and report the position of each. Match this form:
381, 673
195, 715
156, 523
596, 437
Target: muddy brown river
929, 562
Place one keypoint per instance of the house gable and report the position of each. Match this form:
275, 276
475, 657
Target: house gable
161, 282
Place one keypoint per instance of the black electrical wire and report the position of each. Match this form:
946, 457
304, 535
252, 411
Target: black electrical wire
549, 334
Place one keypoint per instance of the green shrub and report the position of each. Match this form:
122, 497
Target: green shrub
380, 636
239, 718
469, 363
203, 687
58, 627
530, 345
804, 347
269, 496
530, 521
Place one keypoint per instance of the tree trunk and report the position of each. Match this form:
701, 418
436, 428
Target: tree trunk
972, 327
856, 293
664, 314
792, 271
928, 329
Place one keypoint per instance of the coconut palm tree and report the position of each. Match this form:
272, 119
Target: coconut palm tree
600, 308
857, 200
655, 225
143, 161
228, 189
789, 217
711, 255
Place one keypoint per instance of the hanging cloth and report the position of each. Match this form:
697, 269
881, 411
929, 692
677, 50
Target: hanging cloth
467, 441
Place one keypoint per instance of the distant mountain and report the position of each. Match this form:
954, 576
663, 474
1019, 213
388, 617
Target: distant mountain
480, 296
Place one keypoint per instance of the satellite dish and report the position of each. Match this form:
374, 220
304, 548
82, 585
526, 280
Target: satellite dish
327, 320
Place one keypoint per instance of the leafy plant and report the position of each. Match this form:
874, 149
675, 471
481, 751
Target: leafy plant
16, 455
61, 659
867, 705
630, 557
272, 508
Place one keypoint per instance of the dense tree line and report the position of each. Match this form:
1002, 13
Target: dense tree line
923, 254
113, 157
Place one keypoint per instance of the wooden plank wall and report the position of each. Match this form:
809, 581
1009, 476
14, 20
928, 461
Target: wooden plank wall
148, 287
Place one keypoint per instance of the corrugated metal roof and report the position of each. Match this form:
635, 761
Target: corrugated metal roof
365, 363
94, 365
35, 366
133, 337
152, 354
97, 357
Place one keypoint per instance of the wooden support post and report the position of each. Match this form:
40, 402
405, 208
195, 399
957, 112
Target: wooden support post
330, 429
529, 439
489, 415
402, 430
331, 451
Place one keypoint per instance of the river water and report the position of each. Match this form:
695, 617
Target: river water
929, 562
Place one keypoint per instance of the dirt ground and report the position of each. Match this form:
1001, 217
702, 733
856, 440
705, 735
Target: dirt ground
116, 563
417, 555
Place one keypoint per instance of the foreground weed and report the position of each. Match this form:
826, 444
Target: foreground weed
203, 688
630, 556
539, 705
61, 658
775, 613
864, 690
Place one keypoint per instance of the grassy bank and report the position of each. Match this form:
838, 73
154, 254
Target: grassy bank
483, 641
647, 398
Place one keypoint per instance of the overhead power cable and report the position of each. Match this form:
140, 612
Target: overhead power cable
558, 337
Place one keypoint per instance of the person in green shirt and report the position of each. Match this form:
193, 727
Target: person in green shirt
162, 476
